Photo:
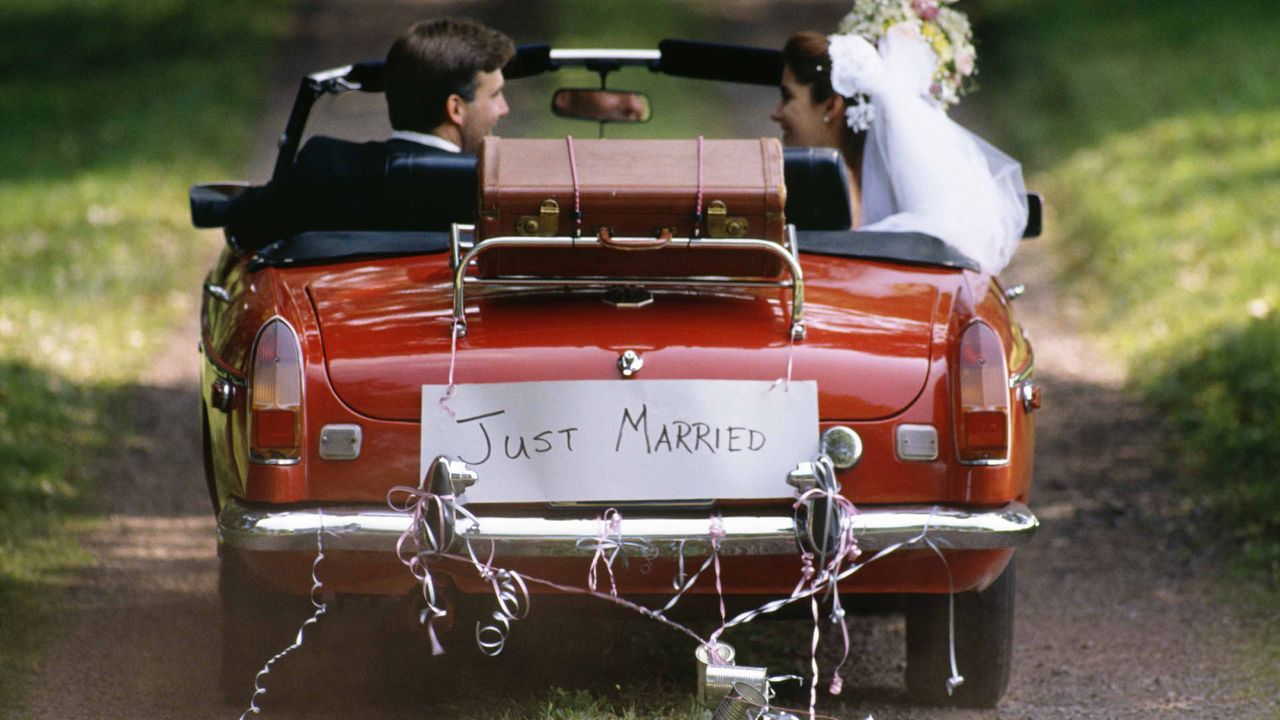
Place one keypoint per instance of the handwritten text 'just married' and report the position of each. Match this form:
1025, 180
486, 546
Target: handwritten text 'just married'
633, 429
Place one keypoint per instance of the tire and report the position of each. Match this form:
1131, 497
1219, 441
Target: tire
984, 645
256, 624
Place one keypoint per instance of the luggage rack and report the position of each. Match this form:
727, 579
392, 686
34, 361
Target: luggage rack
464, 250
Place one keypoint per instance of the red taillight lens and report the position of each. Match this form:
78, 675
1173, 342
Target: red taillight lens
275, 394
982, 417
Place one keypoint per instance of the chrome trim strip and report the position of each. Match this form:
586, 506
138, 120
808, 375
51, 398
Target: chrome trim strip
279, 462
577, 56
460, 279
1024, 374
373, 528
217, 292
330, 74
631, 280
221, 370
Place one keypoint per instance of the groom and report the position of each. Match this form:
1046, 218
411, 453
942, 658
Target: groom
444, 84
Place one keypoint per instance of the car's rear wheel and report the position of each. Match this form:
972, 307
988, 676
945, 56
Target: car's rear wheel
256, 624
984, 645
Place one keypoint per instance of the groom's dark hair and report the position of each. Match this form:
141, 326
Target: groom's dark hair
435, 59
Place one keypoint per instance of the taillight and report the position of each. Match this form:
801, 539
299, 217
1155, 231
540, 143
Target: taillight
982, 413
275, 395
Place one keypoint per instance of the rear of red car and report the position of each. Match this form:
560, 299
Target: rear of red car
801, 405
314, 398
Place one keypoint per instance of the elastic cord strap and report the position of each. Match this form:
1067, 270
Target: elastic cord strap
697, 208
577, 197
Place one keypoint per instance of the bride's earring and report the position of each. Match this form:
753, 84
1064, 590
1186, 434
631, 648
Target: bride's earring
826, 118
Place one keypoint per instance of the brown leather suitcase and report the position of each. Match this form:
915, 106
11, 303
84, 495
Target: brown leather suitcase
647, 189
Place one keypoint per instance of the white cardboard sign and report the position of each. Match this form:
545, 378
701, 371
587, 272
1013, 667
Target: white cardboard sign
619, 440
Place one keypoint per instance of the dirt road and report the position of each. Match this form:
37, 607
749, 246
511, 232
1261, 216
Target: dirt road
1117, 612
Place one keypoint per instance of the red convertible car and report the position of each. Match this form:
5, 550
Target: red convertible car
666, 349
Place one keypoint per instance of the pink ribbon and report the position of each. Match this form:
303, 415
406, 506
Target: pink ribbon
453, 361
608, 539
425, 543
512, 593
717, 533
846, 551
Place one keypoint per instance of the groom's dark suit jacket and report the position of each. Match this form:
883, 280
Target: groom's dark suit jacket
341, 185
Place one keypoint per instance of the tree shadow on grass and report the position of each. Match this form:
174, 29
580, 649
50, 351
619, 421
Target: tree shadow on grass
1222, 401
126, 83
1062, 75
87, 463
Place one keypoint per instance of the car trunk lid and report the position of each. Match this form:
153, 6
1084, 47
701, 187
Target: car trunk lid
386, 333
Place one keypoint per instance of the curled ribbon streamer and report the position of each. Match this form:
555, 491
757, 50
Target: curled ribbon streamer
608, 540
426, 543
688, 583
846, 550
512, 592
512, 595
320, 609
421, 541
801, 592
956, 679
813, 655
521, 580
716, 533
678, 581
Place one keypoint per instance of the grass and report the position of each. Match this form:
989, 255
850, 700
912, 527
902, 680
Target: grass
99, 141
1154, 130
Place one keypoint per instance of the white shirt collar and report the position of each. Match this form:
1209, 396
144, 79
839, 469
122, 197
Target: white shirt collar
425, 139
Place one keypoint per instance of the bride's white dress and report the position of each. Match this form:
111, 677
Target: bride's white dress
921, 171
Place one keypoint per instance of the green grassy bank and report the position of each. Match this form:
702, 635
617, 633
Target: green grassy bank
1154, 129
112, 107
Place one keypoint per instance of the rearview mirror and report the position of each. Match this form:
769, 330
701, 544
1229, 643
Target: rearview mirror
601, 105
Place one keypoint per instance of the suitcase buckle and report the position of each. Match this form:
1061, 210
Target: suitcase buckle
722, 225
545, 224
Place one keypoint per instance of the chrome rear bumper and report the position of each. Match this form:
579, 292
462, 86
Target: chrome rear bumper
376, 529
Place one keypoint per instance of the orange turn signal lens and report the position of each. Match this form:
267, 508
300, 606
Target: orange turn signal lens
275, 430
986, 430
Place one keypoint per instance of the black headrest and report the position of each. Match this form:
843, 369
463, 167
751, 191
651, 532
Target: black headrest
443, 182
817, 189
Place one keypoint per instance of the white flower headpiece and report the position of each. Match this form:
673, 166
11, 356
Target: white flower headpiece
856, 71
856, 68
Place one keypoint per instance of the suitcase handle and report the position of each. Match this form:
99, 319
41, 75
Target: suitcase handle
608, 239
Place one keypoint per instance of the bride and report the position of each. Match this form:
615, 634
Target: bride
878, 92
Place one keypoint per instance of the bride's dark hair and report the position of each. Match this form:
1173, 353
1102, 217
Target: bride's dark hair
807, 55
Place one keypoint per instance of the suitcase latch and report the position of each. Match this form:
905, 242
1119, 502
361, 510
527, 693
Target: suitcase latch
721, 225
545, 224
